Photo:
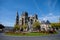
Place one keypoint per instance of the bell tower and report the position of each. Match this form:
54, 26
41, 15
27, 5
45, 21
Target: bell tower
17, 18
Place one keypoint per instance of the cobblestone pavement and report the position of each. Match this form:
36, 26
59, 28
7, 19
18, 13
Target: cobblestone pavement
50, 37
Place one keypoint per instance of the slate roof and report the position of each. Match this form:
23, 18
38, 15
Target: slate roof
45, 22
42, 22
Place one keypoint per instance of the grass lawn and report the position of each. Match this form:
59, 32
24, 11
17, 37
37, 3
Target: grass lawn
26, 34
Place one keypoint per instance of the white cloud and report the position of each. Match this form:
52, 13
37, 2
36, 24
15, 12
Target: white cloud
50, 17
50, 13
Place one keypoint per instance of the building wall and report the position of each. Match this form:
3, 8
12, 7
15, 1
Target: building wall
25, 19
45, 27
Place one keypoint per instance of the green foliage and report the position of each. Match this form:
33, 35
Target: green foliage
55, 25
27, 34
24, 26
16, 27
36, 25
1, 26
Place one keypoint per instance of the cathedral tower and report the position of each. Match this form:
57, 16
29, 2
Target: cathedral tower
24, 18
17, 19
35, 16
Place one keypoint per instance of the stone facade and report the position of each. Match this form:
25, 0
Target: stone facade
25, 19
17, 19
45, 26
29, 20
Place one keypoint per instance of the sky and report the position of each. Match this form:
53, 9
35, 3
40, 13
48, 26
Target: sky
45, 9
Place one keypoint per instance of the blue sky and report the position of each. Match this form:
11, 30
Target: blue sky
45, 9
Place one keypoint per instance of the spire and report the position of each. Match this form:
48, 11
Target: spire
36, 16
17, 13
17, 18
48, 22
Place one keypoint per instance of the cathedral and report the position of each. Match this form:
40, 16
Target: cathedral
26, 19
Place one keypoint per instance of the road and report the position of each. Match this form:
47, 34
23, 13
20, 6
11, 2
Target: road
50, 37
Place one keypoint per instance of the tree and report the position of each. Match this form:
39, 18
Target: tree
24, 26
1, 26
55, 25
16, 27
36, 25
